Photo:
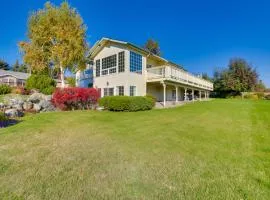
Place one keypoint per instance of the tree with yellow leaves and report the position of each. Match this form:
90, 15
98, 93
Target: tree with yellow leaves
57, 38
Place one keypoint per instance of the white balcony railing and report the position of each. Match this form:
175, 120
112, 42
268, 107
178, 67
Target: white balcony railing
177, 75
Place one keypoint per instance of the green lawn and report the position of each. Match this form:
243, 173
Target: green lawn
207, 150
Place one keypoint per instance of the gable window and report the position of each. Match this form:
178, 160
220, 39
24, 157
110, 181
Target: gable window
108, 92
135, 62
121, 61
120, 90
109, 65
97, 68
132, 91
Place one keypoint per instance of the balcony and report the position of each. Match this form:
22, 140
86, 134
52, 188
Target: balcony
168, 73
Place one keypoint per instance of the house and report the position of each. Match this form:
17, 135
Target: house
18, 79
13, 79
121, 68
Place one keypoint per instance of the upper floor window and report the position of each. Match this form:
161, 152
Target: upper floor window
121, 61
135, 62
109, 65
97, 68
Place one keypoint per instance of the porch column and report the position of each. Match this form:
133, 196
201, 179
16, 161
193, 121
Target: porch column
193, 95
185, 96
205, 95
200, 93
164, 94
176, 94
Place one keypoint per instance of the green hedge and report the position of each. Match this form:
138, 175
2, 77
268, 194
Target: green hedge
267, 97
5, 89
126, 103
43, 83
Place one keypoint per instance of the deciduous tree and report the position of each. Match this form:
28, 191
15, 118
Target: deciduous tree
57, 38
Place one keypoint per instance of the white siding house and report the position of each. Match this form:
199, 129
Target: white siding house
121, 68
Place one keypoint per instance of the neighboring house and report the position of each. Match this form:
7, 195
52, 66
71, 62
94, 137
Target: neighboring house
18, 79
13, 79
121, 68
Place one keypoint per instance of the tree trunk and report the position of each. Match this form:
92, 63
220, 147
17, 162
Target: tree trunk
62, 77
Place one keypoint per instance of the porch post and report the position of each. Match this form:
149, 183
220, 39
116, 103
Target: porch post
193, 95
185, 96
205, 95
200, 95
176, 94
164, 94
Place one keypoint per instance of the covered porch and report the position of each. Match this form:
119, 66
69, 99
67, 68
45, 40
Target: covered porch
171, 93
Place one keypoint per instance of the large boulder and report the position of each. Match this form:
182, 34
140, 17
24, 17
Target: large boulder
27, 105
13, 113
46, 106
37, 107
36, 97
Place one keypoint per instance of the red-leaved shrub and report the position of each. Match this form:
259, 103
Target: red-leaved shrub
75, 98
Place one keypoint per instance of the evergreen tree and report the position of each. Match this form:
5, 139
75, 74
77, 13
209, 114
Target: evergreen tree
153, 47
4, 65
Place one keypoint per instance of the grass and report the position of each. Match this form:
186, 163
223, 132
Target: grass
207, 150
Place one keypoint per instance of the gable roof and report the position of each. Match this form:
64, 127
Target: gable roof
18, 75
99, 45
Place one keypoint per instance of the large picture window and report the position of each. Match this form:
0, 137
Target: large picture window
109, 65
135, 62
121, 61
97, 68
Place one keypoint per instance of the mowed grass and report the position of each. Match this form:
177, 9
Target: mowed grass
206, 150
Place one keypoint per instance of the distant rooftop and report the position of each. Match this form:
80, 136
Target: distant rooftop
18, 75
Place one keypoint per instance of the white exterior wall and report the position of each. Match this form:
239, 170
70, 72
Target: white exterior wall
126, 78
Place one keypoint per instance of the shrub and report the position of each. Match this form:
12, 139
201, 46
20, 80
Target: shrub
71, 81
75, 98
41, 82
260, 95
251, 96
267, 97
3, 120
126, 103
5, 89
20, 90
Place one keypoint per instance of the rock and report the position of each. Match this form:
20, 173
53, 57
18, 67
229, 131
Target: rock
46, 106
36, 97
13, 113
18, 106
37, 107
100, 108
27, 105
2, 105
48, 97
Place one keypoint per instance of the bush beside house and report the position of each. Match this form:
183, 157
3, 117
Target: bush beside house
127, 103
75, 98
43, 83
5, 89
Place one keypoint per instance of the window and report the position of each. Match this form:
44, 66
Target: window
120, 90
109, 65
97, 68
108, 92
132, 91
135, 62
121, 61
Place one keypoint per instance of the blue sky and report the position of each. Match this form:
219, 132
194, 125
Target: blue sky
200, 35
